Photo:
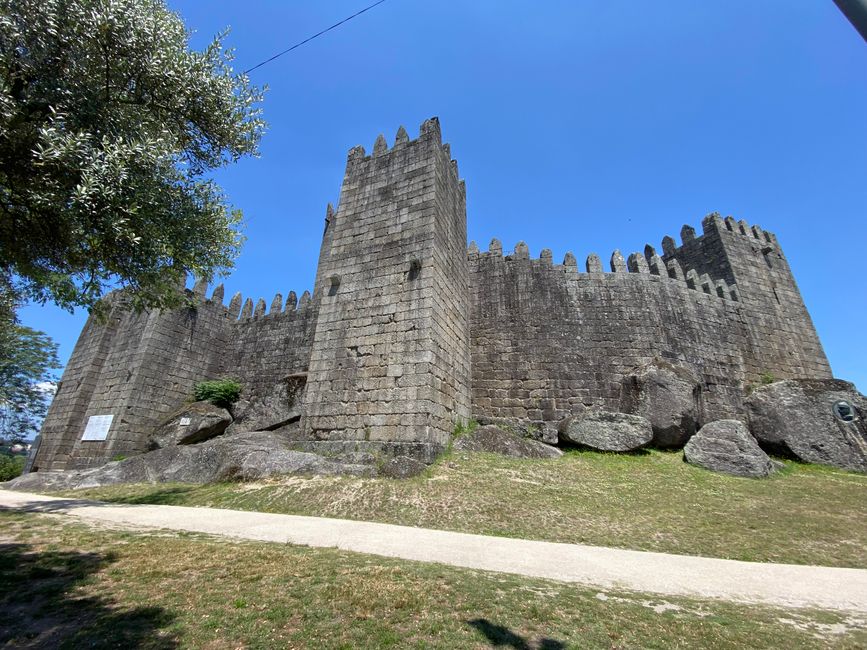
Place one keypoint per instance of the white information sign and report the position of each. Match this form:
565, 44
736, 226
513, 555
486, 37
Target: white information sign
185, 422
97, 427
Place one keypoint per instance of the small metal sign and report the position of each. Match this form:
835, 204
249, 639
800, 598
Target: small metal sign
185, 422
97, 427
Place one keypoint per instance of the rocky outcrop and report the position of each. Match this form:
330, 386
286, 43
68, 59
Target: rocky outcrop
402, 467
534, 429
605, 431
245, 456
813, 420
727, 446
493, 439
276, 408
668, 396
191, 424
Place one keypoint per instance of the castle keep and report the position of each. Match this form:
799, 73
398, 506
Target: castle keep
408, 331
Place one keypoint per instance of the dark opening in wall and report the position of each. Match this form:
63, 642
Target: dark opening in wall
414, 270
844, 411
767, 252
334, 285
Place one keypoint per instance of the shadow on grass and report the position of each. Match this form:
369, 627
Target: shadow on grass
165, 497
499, 636
580, 450
40, 606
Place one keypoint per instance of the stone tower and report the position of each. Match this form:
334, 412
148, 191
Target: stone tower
781, 338
390, 361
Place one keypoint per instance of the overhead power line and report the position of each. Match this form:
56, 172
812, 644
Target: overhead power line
318, 34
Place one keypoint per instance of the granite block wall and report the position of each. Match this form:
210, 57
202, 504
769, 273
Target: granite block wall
781, 337
265, 349
139, 367
389, 363
548, 340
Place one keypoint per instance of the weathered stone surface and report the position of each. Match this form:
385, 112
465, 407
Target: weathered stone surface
402, 467
727, 446
245, 456
533, 429
272, 409
493, 439
668, 396
390, 358
191, 424
795, 418
606, 431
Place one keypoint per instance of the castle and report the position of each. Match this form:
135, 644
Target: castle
408, 331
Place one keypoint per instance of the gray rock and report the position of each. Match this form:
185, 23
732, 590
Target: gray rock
606, 431
727, 446
402, 467
796, 418
533, 429
276, 408
668, 396
493, 439
191, 424
244, 457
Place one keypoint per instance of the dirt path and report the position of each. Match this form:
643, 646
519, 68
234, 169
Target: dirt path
607, 568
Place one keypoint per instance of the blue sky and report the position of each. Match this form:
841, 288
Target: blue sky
579, 126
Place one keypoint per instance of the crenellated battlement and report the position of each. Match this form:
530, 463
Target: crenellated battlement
648, 263
713, 224
358, 160
240, 309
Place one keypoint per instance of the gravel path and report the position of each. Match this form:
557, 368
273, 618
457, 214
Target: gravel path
606, 568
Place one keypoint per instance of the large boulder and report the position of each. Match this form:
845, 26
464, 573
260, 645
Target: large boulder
245, 456
668, 396
274, 408
606, 431
534, 429
814, 420
727, 446
191, 424
493, 439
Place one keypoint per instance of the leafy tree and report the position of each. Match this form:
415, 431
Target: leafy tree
109, 125
10, 467
27, 359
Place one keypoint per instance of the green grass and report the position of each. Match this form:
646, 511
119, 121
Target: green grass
804, 514
65, 585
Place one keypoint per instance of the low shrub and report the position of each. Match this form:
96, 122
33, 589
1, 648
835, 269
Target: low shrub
219, 392
11, 467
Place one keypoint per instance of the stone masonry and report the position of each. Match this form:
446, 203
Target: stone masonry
408, 332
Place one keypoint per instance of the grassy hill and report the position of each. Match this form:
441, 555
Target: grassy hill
651, 501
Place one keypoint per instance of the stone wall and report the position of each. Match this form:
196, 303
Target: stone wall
548, 340
267, 348
138, 367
